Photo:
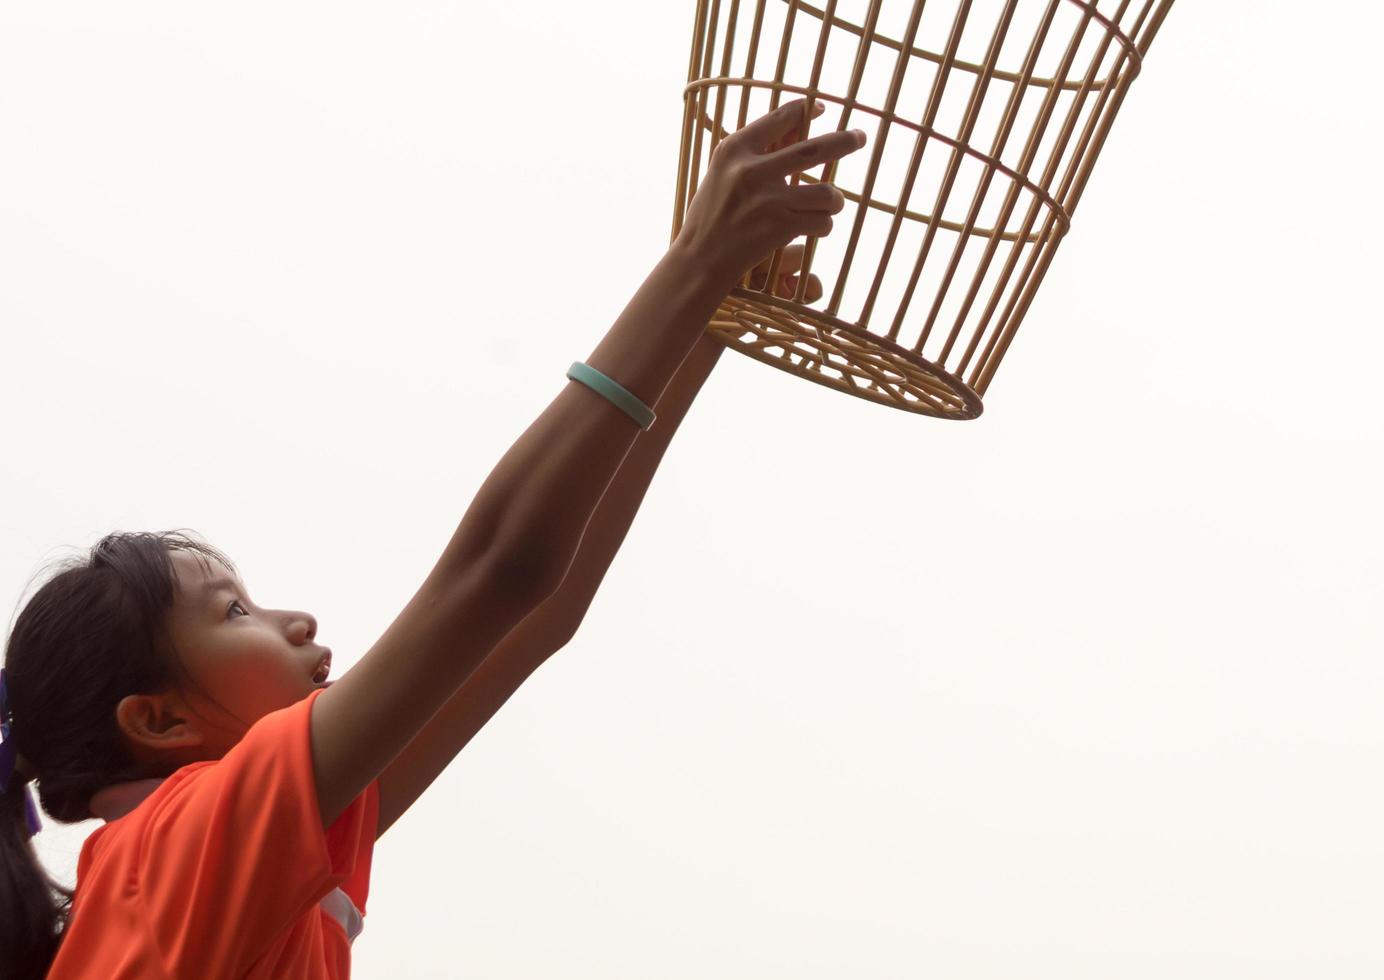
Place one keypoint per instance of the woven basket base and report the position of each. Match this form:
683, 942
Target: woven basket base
840, 355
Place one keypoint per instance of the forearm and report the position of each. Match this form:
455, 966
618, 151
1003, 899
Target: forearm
613, 516
550, 626
537, 503
554, 622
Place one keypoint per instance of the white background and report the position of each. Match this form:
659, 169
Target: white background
1086, 688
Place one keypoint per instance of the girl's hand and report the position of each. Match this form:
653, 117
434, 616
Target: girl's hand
787, 285
744, 209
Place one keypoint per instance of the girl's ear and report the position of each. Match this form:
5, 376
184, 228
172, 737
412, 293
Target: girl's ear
153, 723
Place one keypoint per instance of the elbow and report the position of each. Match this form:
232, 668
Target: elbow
526, 574
513, 577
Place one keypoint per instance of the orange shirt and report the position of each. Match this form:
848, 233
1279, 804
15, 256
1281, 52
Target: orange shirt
223, 870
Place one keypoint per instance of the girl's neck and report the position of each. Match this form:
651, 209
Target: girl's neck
114, 801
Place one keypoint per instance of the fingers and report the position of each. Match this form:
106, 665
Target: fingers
813, 292
810, 154
796, 135
819, 196
745, 206
791, 262
787, 283
775, 126
786, 286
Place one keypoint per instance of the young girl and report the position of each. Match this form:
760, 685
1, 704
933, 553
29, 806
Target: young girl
241, 793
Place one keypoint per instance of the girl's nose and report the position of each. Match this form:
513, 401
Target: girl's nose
307, 621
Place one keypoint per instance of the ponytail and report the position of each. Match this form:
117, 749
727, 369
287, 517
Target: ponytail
33, 907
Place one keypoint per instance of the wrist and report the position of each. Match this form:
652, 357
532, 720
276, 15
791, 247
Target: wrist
702, 270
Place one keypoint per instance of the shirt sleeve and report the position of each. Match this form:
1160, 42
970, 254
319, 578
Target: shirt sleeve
235, 853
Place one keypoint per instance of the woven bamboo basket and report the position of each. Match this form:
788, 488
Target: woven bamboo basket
984, 120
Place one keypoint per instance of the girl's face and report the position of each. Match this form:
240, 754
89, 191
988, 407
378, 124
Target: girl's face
244, 662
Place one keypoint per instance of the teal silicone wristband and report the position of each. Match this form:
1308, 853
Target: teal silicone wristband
621, 398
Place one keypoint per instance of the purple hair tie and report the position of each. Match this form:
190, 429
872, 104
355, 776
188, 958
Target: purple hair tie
8, 755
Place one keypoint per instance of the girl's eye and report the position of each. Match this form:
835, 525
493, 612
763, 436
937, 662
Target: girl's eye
235, 604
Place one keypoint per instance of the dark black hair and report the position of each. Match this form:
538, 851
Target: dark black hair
94, 633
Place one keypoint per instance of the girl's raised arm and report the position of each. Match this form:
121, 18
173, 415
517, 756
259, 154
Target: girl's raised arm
519, 536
